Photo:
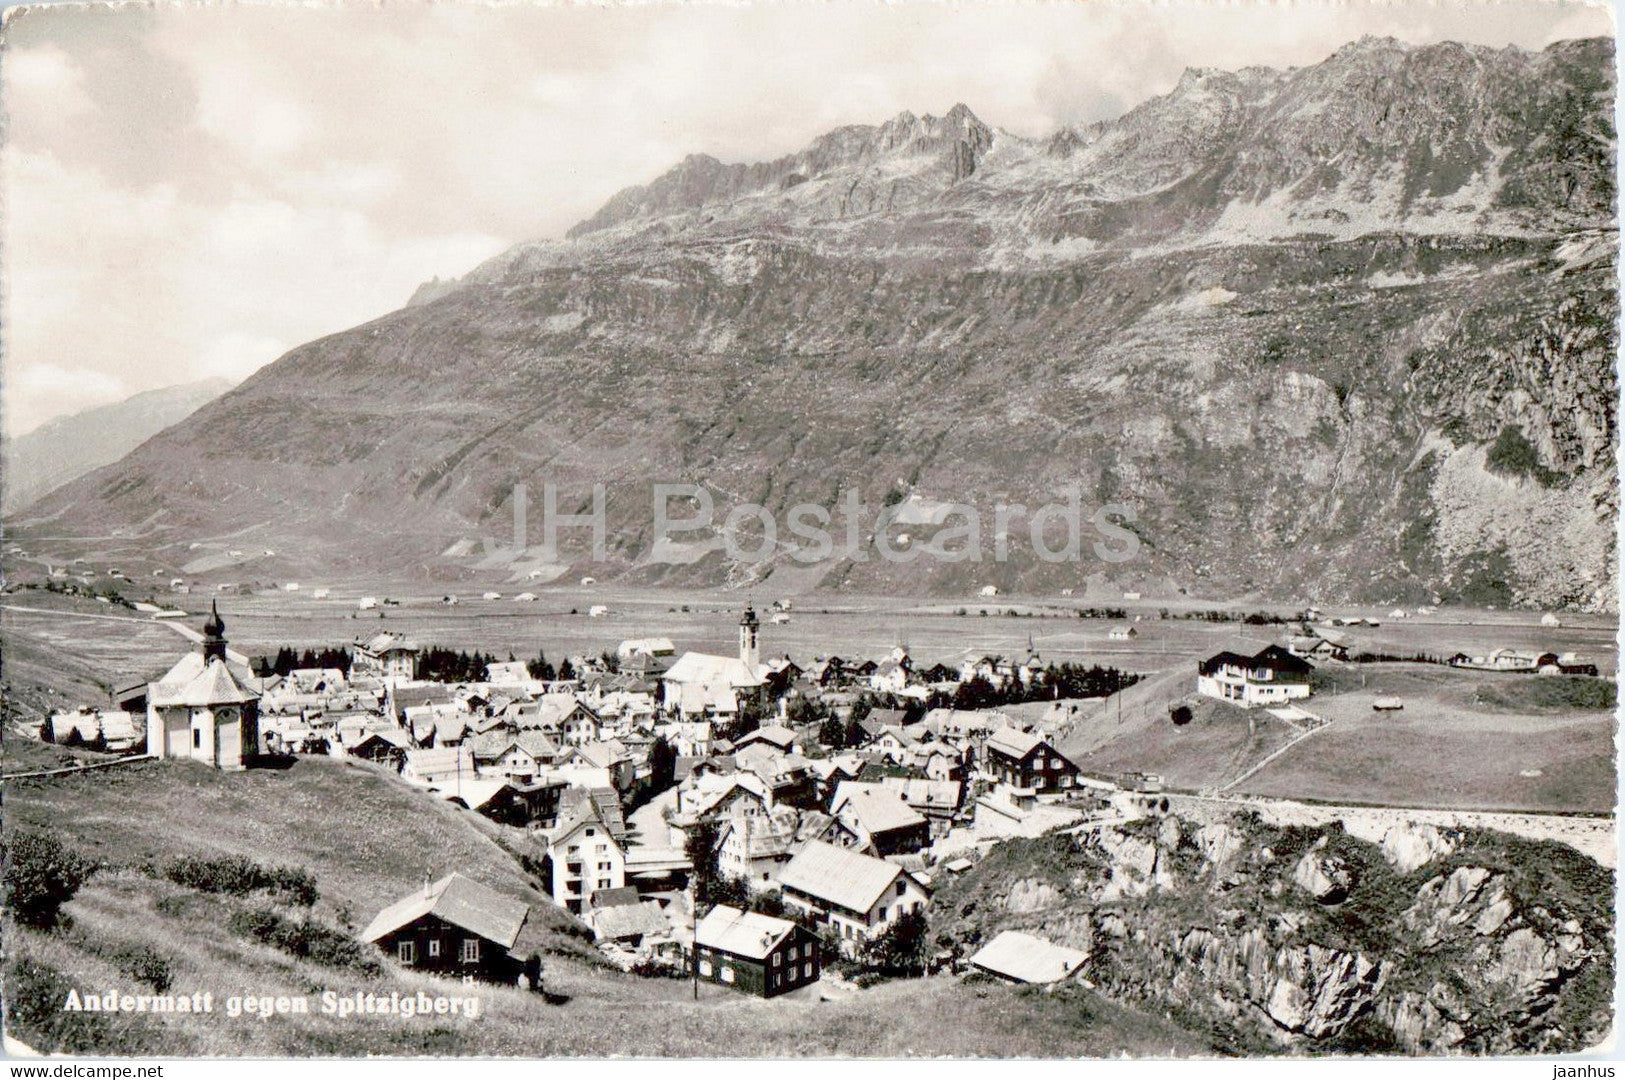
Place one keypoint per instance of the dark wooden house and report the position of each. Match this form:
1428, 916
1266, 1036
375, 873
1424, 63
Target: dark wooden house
755, 953
1023, 760
454, 927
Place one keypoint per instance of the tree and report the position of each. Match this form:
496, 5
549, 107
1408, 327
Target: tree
832, 734
710, 885
566, 672
662, 765
903, 948
41, 876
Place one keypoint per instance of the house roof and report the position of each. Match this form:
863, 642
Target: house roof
742, 933
440, 761
705, 669
877, 809
397, 739
384, 642
931, 794
1270, 656
580, 805
764, 837
600, 755
836, 875
196, 682
1013, 741
509, 671
1028, 959
773, 734
473, 792
651, 646
608, 898
460, 901
630, 920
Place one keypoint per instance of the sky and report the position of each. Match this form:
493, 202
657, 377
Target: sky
190, 191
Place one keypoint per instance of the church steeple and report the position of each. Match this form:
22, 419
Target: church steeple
214, 635
749, 651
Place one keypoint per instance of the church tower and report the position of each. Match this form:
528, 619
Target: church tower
214, 635
750, 653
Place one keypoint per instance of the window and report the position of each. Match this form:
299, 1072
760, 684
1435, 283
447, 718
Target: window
776, 959
471, 951
807, 972
792, 954
902, 886
727, 974
407, 952
434, 946
197, 738
705, 967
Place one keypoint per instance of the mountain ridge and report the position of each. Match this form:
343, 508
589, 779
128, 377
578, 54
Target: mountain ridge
1279, 312
67, 447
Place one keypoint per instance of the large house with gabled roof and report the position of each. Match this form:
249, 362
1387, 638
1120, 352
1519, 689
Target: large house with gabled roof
753, 952
1023, 759
586, 852
454, 926
1271, 676
856, 895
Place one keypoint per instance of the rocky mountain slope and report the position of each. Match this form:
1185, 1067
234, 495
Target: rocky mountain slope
1308, 940
67, 448
1343, 331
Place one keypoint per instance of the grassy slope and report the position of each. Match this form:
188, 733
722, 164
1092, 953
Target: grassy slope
1463, 740
368, 839
1214, 747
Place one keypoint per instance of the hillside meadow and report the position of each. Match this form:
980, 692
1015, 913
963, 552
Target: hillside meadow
368, 840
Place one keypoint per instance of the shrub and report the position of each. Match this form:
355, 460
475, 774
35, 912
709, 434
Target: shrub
239, 876
144, 964
41, 875
306, 940
34, 1012
903, 948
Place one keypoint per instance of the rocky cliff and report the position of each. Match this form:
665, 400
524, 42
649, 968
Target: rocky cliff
1312, 941
1344, 331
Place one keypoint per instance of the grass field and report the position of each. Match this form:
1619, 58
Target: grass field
368, 840
1136, 735
368, 837
819, 626
1465, 740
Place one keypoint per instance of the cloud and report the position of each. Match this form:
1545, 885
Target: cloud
141, 288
